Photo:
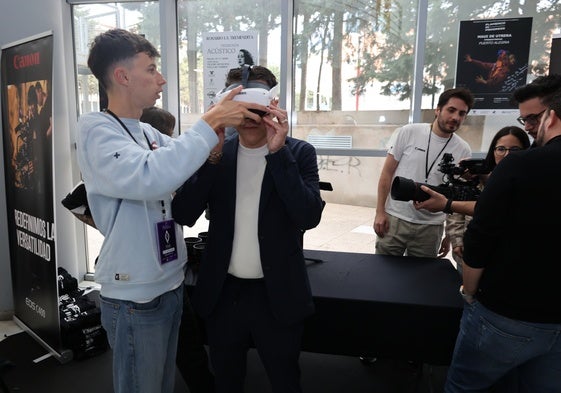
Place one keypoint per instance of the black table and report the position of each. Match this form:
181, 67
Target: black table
384, 306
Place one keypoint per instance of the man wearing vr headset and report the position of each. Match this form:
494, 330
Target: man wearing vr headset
262, 190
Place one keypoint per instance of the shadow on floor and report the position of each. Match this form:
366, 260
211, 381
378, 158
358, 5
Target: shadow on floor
320, 373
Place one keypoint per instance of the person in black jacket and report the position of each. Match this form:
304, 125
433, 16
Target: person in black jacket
512, 316
262, 191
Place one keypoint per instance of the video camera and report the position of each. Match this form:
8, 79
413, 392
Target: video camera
454, 186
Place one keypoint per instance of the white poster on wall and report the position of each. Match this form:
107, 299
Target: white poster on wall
223, 51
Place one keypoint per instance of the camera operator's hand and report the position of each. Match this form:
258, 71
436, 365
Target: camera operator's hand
436, 202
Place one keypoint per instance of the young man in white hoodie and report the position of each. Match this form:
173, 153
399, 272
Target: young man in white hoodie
130, 171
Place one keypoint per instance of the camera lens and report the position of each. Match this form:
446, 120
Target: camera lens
406, 190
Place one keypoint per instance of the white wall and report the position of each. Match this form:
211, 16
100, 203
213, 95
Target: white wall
16, 24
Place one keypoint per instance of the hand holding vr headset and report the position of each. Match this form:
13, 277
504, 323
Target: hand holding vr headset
262, 103
227, 111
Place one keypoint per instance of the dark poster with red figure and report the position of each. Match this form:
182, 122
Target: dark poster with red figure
493, 61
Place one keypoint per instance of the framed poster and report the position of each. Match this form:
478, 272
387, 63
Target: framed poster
493, 61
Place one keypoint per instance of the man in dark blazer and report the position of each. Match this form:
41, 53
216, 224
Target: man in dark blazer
262, 191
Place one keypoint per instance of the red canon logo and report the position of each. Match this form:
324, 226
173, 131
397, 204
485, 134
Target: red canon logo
28, 60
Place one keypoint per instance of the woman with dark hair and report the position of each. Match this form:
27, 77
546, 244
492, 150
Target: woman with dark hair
497, 151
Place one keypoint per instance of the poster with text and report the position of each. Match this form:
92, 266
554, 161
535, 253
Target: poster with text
493, 61
27, 128
222, 52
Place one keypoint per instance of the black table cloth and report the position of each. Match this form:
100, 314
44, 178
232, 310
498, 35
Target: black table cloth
385, 306
382, 306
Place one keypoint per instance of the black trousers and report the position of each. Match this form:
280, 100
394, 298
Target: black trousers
192, 359
241, 319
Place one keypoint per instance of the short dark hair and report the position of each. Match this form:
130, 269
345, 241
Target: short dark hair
113, 46
538, 88
255, 73
159, 118
459, 92
515, 131
553, 102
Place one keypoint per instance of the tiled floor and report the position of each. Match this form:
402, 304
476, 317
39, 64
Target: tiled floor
343, 228
7, 328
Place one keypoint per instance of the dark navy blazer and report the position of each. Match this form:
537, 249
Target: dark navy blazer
290, 203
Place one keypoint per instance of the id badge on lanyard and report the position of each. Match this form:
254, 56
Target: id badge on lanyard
167, 244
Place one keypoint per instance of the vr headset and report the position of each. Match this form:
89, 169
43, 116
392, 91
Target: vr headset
253, 91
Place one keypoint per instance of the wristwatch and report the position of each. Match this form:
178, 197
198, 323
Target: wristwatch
467, 296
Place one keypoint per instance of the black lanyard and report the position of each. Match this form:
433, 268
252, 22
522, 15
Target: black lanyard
127, 130
147, 140
427, 168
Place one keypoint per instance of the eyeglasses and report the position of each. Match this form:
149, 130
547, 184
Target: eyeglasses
501, 150
532, 119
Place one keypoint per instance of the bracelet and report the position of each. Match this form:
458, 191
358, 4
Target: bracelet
448, 208
214, 157
466, 296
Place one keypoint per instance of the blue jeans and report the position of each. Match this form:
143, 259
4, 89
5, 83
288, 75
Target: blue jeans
143, 337
490, 345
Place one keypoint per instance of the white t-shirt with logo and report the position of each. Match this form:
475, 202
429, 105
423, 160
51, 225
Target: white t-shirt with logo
409, 147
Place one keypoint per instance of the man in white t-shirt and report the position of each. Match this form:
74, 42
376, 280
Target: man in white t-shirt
415, 152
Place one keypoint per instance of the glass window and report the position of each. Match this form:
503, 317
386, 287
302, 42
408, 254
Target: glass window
349, 81
91, 19
256, 24
353, 65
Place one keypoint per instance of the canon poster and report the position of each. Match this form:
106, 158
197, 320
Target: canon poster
493, 61
27, 129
